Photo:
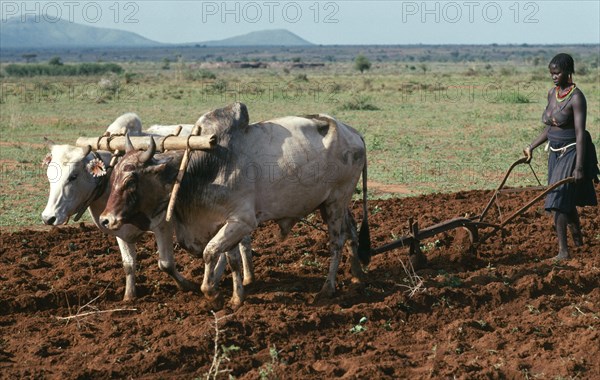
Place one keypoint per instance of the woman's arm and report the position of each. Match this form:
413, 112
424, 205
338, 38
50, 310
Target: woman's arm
579, 117
528, 150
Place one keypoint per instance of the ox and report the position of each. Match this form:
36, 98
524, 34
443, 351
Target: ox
127, 123
77, 182
279, 170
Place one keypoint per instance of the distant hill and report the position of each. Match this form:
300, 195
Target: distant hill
43, 34
274, 37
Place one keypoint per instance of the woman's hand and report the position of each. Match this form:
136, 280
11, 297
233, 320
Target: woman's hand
528, 152
578, 174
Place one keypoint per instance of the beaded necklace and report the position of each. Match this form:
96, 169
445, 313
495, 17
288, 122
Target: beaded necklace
562, 97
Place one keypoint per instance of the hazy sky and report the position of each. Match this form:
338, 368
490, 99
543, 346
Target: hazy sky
336, 22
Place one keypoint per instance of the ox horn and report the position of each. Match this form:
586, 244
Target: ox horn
149, 153
128, 144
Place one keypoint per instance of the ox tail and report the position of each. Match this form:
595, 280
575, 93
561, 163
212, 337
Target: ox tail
364, 237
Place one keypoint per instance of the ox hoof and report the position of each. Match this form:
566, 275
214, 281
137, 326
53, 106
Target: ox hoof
129, 297
236, 303
248, 280
325, 294
358, 277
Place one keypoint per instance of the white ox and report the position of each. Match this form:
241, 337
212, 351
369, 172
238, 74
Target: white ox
74, 187
127, 123
280, 170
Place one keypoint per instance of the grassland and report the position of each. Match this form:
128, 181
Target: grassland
429, 127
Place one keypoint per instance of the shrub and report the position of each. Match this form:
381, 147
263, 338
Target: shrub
301, 78
205, 74
362, 63
359, 103
55, 61
513, 98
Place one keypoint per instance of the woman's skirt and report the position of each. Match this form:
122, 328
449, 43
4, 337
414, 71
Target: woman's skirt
561, 164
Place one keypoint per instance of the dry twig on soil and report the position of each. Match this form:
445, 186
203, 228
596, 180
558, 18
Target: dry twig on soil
415, 281
219, 357
81, 314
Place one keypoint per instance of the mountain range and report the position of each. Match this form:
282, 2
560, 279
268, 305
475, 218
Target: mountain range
40, 33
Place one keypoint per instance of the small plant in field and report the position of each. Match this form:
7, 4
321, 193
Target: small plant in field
267, 370
376, 210
430, 246
376, 143
443, 302
360, 327
452, 281
388, 325
310, 262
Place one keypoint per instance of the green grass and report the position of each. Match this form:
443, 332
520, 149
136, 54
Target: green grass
447, 130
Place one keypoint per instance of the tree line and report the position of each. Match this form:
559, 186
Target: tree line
55, 67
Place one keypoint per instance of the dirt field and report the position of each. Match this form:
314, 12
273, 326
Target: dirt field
509, 312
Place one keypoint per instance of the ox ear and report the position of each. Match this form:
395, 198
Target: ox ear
49, 143
240, 115
48, 158
161, 168
86, 150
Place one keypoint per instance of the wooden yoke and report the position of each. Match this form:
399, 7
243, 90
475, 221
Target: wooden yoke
163, 143
182, 168
117, 143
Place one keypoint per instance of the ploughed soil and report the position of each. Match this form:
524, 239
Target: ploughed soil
509, 311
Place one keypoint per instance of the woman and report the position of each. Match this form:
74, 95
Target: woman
572, 153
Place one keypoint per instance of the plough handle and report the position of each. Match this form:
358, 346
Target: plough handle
487, 207
529, 204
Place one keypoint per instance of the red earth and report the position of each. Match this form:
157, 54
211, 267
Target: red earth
509, 311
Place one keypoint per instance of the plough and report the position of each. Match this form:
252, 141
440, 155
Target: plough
473, 224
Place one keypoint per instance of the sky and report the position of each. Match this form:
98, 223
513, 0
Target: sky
335, 22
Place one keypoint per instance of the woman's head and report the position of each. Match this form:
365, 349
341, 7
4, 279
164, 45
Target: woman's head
561, 68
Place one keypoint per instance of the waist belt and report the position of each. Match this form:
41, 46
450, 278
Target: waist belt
562, 150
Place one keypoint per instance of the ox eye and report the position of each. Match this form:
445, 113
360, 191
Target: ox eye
130, 183
72, 177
